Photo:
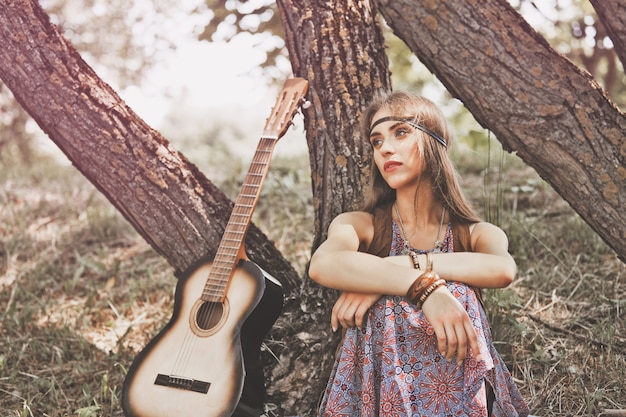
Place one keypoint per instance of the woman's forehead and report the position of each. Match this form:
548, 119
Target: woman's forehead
385, 120
375, 123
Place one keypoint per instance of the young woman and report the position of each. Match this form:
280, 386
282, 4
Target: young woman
409, 266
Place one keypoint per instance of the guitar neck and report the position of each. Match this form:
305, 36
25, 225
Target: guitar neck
232, 243
231, 247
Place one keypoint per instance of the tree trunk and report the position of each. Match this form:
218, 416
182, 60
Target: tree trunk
166, 199
346, 67
538, 103
612, 14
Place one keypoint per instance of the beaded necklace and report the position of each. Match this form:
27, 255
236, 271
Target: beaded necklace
407, 246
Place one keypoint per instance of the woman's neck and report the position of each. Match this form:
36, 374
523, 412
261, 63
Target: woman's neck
418, 208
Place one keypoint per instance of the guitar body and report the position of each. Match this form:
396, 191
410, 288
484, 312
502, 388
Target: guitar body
194, 366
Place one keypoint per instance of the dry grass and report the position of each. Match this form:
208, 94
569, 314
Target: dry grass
80, 293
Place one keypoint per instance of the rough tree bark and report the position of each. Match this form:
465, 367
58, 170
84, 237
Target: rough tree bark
475, 61
539, 104
536, 102
166, 199
612, 14
346, 67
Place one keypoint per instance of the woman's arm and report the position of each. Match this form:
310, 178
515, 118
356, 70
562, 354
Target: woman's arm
490, 265
338, 264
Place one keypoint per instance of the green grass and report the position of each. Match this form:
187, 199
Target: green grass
81, 292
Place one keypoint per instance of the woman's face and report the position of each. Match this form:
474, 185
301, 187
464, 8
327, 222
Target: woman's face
396, 151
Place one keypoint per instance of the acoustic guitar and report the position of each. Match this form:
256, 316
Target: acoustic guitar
194, 366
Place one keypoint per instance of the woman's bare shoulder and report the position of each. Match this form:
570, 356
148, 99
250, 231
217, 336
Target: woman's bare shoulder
359, 222
487, 235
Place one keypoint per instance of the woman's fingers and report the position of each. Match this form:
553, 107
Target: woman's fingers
452, 325
451, 341
350, 309
472, 340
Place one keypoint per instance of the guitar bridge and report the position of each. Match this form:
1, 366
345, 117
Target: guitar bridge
181, 382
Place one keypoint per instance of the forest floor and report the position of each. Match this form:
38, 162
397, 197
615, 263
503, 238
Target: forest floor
81, 293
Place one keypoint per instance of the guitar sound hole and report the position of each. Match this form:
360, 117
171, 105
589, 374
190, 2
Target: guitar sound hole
209, 315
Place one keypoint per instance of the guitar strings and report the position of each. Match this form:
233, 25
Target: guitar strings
245, 202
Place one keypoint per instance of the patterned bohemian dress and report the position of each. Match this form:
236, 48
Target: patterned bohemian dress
392, 367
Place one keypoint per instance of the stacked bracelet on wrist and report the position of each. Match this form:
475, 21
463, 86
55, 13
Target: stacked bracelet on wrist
425, 284
414, 259
432, 287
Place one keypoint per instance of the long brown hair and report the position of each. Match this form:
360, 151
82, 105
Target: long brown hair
439, 166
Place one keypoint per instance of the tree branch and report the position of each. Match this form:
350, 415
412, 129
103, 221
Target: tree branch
537, 102
165, 197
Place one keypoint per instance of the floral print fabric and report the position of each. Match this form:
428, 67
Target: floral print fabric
392, 367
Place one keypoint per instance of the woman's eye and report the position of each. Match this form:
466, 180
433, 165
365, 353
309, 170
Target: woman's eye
401, 132
376, 142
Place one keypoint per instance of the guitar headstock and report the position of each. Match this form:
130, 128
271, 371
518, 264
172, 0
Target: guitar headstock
287, 104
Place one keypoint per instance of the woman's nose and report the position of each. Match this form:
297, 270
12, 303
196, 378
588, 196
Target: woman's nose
386, 148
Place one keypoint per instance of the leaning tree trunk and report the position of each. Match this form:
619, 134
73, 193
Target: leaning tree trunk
538, 103
166, 199
346, 66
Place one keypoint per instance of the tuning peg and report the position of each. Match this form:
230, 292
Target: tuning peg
306, 104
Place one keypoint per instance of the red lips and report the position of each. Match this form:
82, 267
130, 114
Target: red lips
391, 165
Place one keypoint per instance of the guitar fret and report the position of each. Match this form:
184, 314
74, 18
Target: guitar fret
230, 247
227, 256
208, 296
226, 270
215, 288
224, 263
240, 224
211, 291
230, 250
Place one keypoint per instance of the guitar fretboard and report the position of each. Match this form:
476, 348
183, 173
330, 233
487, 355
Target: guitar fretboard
235, 232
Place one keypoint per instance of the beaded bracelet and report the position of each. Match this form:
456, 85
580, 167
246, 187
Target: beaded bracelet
415, 260
420, 285
426, 283
431, 288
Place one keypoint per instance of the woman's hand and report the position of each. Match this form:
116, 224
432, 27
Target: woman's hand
350, 309
451, 324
